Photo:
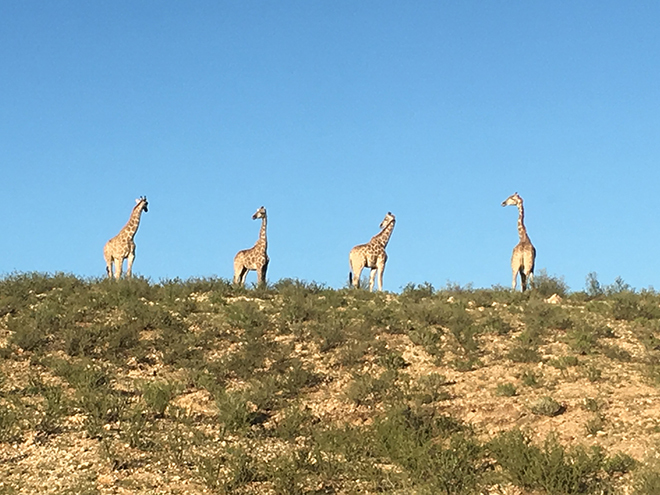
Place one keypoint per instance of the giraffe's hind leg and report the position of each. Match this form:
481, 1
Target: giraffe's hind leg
129, 265
523, 280
381, 269
514, 280
357, 273
108, 267
118, 263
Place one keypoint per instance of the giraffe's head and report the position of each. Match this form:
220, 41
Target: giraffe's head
387, 220
261, 213
141, 202
514, 200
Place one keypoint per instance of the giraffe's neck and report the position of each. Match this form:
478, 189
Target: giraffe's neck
522, 231
133, 223
383, 237
262, 242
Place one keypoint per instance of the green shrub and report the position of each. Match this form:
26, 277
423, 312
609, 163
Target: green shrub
523, 354
592, 405
647, 480
158, 394
414, 440
530, 379
595, 424
366, 389
431, 388
546, 285
550, 468
10, 424
547, 406
495, 324
506, 390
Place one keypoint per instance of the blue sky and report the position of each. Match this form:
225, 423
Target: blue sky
331, 114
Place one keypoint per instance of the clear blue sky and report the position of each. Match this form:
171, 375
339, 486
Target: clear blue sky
330, 114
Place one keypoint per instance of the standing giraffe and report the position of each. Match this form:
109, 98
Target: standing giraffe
524, 254
371, 255
122, 246
254, 258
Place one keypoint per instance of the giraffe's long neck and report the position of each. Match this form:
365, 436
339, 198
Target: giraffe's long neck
383, 237
133, 223
262, 242
522, 231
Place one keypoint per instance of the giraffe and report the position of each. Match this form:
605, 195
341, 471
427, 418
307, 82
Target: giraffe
254, 258
524, 254
371, 255
122, 246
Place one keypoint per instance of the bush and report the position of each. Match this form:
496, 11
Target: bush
546, 285
547, 406
549, 468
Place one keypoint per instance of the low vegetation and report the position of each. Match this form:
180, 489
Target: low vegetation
198, 386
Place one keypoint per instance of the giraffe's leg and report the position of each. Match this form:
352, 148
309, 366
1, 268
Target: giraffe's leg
381, 269
118, 263
244, 274
372, 277
238, 269
523, 280
357, 273
261, 274
513, 282
108, 267
129, 264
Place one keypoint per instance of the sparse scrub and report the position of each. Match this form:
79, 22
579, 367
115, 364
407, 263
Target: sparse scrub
299, 388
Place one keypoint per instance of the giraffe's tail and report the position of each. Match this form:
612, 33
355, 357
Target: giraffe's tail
350, 279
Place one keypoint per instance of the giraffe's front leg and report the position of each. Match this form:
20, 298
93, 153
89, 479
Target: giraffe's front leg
372, 277
129, 264
513, 282
244, 275
261, 274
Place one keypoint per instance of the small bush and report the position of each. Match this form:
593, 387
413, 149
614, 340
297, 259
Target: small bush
546, 285
530, 379
10, 426
157, 395
547, 406
506, 390
523, 354
595, 425
593, 373
366, 389
592, 405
